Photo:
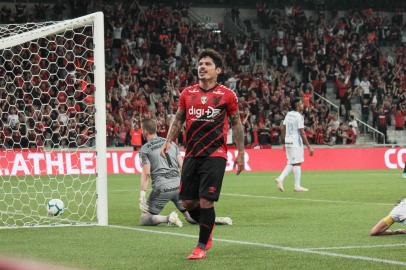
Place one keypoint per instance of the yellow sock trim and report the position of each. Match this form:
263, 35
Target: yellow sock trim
388, 220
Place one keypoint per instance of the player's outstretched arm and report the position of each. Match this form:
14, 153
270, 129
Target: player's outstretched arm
238, 135
174, 130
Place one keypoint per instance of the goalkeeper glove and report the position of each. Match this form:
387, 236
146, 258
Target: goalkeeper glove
143, 202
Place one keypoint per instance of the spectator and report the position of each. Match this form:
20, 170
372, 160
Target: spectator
136, 134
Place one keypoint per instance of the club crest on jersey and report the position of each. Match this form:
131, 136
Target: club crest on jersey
216, 100
203, 99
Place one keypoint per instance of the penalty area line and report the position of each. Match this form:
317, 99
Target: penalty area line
271, 246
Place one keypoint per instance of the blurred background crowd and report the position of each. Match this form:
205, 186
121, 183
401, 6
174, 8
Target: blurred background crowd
347, 66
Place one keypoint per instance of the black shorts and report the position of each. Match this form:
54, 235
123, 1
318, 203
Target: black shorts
202, 177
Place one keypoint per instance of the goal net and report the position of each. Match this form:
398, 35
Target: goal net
52, 122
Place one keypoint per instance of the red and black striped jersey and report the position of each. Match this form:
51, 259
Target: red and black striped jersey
207, 113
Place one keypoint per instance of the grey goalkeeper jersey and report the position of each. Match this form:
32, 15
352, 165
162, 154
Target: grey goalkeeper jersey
164, 171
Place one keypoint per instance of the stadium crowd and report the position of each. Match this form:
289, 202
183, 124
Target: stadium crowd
151, 55
362, 52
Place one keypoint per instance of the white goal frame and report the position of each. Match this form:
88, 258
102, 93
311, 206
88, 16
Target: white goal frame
97, 19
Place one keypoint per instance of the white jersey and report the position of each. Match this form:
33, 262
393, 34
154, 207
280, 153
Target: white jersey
293, 122
398, 213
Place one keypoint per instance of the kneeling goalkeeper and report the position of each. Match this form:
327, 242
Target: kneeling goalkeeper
165, 176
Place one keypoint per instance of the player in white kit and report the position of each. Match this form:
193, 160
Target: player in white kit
398, 214
293, 137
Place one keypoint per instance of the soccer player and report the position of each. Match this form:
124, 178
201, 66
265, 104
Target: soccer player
398, 214
205, 107
165, 174
293, 137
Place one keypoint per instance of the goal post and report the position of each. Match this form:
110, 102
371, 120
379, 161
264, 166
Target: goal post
53, 122
100, 100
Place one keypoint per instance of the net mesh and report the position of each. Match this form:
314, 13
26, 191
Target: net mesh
47, 127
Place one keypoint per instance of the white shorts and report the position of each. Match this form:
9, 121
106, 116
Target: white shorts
398, 213
294, 155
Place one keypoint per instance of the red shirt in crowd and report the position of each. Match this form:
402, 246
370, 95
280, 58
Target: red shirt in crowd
400, 119
136, 136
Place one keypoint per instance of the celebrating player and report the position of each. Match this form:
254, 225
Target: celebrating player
206, 108
293, 137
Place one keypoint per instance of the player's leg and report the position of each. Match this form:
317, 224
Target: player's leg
182, 209
288, 168
156, 202
148, 219
193, 209
279, 180
189, 188
297, 159
285, 172
188, 218
211, 179
297, 172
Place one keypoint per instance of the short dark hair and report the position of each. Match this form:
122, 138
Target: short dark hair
294, 102
149, 125
213, 54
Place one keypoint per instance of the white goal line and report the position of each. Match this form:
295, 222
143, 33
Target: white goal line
270, 246
53, 221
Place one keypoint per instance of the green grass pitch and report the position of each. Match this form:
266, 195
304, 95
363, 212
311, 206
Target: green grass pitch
325, 228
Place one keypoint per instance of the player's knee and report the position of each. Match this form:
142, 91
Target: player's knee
145, 220
190, 204
205, 203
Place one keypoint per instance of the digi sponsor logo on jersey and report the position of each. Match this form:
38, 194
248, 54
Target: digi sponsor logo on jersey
210, 112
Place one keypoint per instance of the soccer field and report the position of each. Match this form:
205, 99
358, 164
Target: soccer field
326, 228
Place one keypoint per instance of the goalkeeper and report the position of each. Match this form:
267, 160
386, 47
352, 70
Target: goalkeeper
165, 176
398, 214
